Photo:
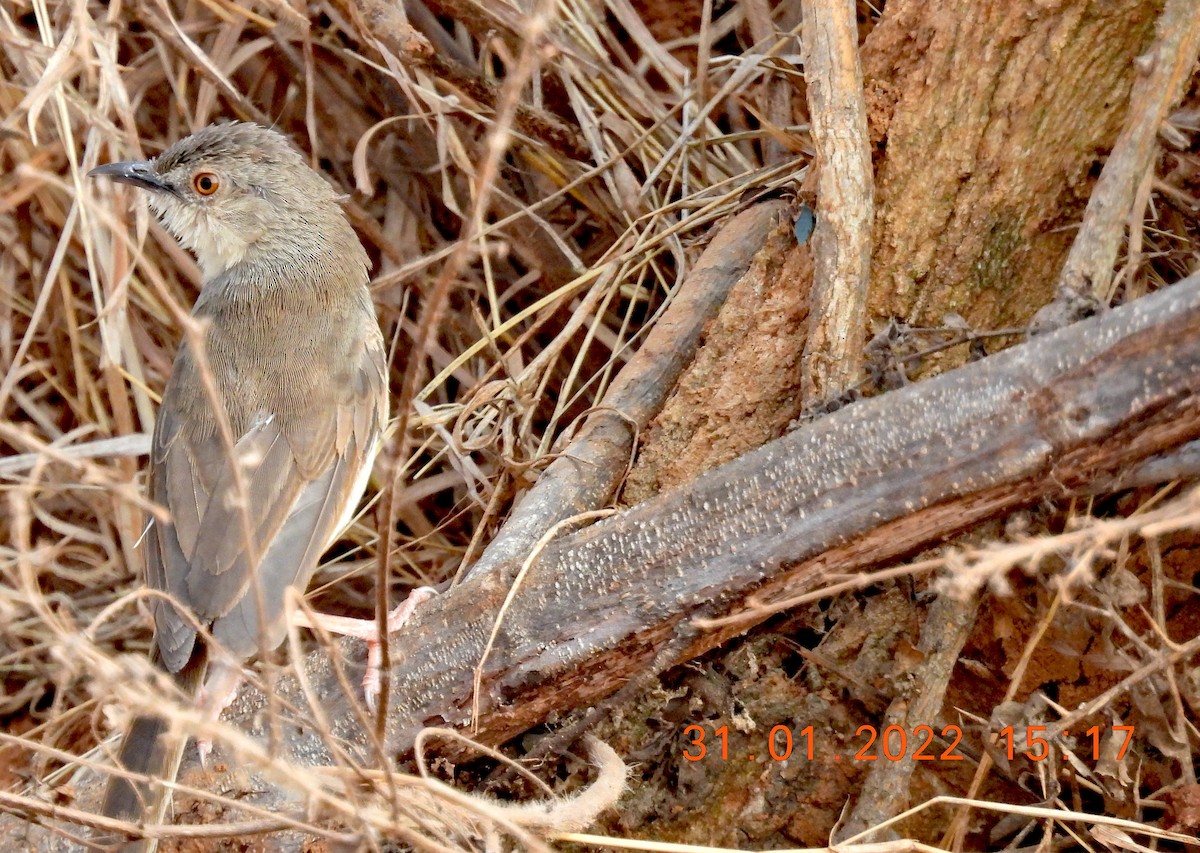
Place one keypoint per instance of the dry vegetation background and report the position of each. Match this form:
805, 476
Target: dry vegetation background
533, 180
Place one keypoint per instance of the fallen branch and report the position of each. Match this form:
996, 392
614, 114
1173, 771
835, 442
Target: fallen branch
588, 471
1163, 78
868, 484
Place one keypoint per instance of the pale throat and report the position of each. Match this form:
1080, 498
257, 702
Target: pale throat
216, 246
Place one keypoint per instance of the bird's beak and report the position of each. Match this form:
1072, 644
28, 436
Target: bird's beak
139, 173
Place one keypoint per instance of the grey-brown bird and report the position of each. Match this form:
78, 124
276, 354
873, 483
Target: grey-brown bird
293, 349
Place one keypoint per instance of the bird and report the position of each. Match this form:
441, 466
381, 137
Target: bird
270, 419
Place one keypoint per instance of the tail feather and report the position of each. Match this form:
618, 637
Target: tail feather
151, 752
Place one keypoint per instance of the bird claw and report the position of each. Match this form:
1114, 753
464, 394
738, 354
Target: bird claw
215, 695
204, 747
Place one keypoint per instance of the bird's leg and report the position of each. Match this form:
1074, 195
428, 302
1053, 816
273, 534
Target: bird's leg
216, 693
367, 630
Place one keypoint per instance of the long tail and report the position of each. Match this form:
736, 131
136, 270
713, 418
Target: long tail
149, 751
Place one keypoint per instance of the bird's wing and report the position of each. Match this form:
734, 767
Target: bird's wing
300, 475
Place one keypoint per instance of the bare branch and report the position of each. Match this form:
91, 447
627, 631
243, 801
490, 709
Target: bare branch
845, 199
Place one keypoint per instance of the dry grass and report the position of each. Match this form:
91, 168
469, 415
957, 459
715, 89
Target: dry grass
511, 279
542, 272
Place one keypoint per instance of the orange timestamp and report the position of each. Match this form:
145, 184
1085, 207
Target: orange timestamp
1012, 739
894, 743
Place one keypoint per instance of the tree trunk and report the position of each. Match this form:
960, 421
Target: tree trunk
993, 118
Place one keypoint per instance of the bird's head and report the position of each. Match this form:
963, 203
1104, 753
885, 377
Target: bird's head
239, 193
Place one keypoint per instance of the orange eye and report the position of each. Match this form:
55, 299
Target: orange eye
205, 183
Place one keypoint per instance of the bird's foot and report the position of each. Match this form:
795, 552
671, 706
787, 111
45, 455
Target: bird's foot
367, 630
395, 621
214, 697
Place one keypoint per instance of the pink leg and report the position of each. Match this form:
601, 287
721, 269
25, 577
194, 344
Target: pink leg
216, 693
367, 630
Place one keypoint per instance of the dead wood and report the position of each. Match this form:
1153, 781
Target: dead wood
590, 468
833, 354
887, 790
742, 389
1163, 74
984, 173
862, 486
990, 122
865, 485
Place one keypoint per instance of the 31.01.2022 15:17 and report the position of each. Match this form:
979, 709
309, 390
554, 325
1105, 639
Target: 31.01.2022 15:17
892, 744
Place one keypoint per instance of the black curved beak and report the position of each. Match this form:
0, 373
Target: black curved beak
139, 173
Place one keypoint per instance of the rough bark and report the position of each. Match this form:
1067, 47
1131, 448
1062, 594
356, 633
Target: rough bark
992, 117
589, 469
868, 483
714, 414
833, 353
989, 121
1163, 75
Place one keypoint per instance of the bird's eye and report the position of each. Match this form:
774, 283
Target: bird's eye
205, 183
